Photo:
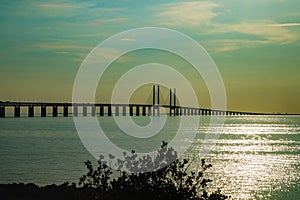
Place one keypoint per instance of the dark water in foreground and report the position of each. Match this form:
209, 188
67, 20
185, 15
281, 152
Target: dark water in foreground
256, 157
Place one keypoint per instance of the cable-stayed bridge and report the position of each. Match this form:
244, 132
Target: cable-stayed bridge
105, 109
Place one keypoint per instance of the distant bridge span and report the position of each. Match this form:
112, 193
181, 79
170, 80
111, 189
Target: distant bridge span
104, 109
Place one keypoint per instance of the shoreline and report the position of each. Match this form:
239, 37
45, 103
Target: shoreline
31, 191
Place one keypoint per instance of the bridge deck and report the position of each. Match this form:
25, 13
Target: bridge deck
173, 110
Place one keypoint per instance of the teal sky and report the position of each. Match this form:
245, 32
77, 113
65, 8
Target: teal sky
255, 44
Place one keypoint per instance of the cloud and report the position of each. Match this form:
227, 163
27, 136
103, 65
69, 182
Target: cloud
128, 40
250, 33
265, 30
74, 11
62, 52
59, 9
60, 47
62, 6
254, 33
186, 14
286, 25
77, 52
223, 45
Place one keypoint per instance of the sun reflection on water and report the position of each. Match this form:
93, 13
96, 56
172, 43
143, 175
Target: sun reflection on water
256, 158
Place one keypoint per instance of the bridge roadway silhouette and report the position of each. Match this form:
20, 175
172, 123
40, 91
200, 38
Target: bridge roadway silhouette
104, 109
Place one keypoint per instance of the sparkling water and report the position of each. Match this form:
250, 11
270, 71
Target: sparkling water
256, 157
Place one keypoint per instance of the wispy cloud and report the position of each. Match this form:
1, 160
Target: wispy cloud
254, 33
285, 25
128, 40
76, 52
268, 31
62, 5
70, 9
186, 14
66, 9
223, 45
61, 47
196, 14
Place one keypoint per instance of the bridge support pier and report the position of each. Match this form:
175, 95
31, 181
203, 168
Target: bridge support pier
101, 111
149, 111
109, 110
116, 110
54, 111
130, 110
84, 110
30, 111
75, 110
2, 111
144, 111
17, 111
137, 110
93, 110
43, 111
66, 113
124, 111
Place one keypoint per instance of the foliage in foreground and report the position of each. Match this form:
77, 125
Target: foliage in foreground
173, 181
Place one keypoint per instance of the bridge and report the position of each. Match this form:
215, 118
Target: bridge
101, 109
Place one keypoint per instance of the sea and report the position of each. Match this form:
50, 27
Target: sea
255, 157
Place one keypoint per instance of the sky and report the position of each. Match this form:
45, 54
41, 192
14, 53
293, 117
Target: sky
254, 43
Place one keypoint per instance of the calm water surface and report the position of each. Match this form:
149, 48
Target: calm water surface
256, 157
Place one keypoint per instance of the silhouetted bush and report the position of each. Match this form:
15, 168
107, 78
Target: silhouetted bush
32, 191
162, 181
